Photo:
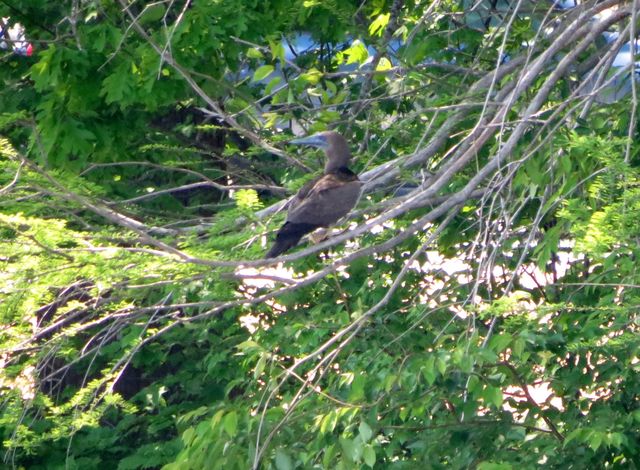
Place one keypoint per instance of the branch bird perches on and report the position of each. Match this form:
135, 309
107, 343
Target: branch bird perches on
324, 200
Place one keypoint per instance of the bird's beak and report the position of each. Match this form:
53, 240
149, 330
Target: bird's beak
312, 140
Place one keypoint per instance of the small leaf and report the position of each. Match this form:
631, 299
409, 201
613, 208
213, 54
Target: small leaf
369, 455
215, 419
389, 382
328, 116
595, 440
493, 395
247, 199
231, 423
91, 15
499, 342
153, 12
357, 388
575, 434
357, 53
565, 164
188, 435
473, 383
312, 77
378, 25
384, 64
329, 453
260, 366
329, 423
270, 119
365, 431
429, 370
283, 460
272, 84
254, 53
262, 72
277, 50
352, 448
249, 346
518, 347
494, 466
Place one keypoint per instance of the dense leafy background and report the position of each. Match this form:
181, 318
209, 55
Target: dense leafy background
481, 313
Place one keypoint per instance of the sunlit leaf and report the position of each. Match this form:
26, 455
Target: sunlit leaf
262, 72
377, 26
247, 199
383, 64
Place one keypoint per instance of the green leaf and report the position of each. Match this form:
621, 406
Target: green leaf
518, 347
247, 199
188, 435
500, 342
357, 53
328, 423
272, 84
376, 28
494, 466
311, 77
118, 85
357, 388
565, 164
369, 455
249, 346
352, 448
595, 440
255, 53
283, 460
493, 395
260, 366
365, 431
230, 423
277, 50
151, 13
262, 72
429, 370
329, 454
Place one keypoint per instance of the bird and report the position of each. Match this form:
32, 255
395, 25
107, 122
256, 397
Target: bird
324, 200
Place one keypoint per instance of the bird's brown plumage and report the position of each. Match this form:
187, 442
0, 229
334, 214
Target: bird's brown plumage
324, 200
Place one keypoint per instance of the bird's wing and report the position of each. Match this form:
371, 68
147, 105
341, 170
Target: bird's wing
330, 198
302, 193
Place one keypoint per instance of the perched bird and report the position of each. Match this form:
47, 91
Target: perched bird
324, 200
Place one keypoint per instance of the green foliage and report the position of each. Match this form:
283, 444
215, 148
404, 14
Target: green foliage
503, 333
248, 199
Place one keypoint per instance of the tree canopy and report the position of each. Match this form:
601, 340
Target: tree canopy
478, 308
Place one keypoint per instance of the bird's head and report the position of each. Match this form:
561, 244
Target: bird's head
333, 144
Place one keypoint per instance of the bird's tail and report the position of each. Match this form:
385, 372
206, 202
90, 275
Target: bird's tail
288, 236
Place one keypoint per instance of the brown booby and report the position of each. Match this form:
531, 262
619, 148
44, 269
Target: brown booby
325, 199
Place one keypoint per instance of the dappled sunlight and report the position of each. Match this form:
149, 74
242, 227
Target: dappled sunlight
540, 392
445, 274
265, 277
25, 383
